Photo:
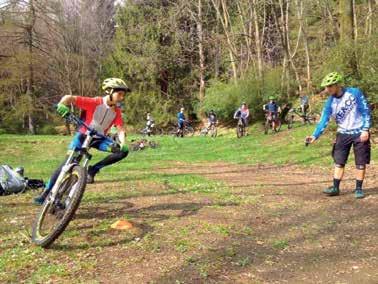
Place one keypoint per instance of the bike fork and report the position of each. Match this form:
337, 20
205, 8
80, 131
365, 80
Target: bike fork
65, 169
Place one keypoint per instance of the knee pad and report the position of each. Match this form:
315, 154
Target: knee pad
360, 167
339, 166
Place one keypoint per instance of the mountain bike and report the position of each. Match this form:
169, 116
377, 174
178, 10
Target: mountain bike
187, 130
307, 117
151, 130
240, 128
64, 198
211, 130
269, 122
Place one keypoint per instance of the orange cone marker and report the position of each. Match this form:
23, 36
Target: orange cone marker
121, 225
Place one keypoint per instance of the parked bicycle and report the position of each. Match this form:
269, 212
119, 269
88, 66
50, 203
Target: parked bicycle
306, 118
187, 130
272, 122
211, 130
151, 130
64, 198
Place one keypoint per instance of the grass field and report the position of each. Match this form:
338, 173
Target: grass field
204, 211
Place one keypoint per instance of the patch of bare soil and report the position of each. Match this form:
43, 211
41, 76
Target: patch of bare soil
272, 225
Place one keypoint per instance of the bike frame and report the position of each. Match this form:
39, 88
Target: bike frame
304, 116
75, 157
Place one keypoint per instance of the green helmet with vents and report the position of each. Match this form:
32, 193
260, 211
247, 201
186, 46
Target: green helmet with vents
114, 83
330, 79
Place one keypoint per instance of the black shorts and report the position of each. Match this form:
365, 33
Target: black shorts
341, 149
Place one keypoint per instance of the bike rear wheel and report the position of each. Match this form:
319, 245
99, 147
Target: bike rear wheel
173, 131
54, 217
313, 117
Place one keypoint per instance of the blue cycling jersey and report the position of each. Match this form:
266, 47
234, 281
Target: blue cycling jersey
350, 111
180, 117
271, 107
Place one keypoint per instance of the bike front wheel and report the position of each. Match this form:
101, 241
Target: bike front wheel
54, 216
239, 131
266, 127
213, 131
188, 131
204, 131
277, 126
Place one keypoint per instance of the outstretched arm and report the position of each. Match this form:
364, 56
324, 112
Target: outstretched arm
67, 100
363, 108
326, 115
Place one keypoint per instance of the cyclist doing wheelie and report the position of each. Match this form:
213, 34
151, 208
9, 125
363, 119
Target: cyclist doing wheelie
100, 114
272, 111
351, 112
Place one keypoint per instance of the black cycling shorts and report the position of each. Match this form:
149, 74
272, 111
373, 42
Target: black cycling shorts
341, 149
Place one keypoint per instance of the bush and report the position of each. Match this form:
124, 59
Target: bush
138, 104
367, 60
47, 129
225, 98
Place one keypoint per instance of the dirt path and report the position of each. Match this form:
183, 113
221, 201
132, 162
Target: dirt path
233, 224
276, 228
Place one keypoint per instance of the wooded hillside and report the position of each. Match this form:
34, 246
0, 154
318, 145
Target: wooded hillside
202, 54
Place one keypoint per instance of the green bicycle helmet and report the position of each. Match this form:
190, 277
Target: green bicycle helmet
271, 97
330, 79
114, 83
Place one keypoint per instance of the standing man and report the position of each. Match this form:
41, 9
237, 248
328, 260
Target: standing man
101, 113
180, 122
150, 124
351, 112
304, 103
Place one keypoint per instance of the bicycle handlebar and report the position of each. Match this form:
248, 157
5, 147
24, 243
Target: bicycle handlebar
71, 118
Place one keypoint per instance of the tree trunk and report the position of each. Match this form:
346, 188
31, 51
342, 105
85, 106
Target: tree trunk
346, 20
302, 23
283, 29
369, 22
30, 84
226, 26
201, 57
257, 40
347, 31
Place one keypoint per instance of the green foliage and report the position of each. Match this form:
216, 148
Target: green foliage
138, 104
47, 129
225, 98
280, 244
364, 77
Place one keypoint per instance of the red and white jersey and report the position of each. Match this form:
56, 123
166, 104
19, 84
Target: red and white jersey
98, 114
